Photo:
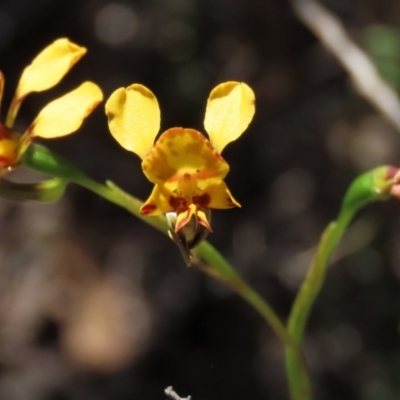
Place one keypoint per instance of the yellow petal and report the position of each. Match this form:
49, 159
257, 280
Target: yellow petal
159, 202
203, 220
183, 218
230, 109
134, 118
180, 152
186, 220
66, 114
49, 67
45, 71
216, 195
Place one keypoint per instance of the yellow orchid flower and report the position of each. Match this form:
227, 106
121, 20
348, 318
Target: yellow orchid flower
187, 169
58, 118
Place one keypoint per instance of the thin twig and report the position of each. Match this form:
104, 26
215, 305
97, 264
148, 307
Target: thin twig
169, 391
331, 33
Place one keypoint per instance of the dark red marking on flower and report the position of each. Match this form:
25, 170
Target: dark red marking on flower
392, 172
4, 161
147, 209
5, 133
178, 203
202, 200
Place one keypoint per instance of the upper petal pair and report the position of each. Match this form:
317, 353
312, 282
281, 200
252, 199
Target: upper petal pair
61, 116
134, 115
45, 71
66, 114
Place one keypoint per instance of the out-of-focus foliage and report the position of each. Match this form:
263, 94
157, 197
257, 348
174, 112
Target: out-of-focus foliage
383, 43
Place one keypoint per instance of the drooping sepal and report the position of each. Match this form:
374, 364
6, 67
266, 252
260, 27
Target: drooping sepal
217, 196
161, 201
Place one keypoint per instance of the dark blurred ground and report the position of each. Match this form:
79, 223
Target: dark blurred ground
96, 305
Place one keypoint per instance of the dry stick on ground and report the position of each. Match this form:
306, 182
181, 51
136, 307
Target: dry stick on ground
361, 69
169, 391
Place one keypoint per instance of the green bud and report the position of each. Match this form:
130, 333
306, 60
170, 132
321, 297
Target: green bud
372, 186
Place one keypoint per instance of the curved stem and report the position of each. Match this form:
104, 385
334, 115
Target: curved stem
207, 258
316, 274
40, 158
308, 293
367, 188
216, 266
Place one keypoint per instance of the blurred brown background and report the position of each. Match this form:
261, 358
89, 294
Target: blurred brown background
95, 305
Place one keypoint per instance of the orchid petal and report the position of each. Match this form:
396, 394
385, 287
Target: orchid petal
159, 202
65, 115
230, 109
179, 152
184, 218
202, 219
216, 195
45, 71
134, 118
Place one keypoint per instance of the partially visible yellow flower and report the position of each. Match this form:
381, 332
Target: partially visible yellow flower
58, 118
187, 169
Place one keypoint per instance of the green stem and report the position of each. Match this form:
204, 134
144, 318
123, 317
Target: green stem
206, 257
214, 264
308, 293
315, 278
367, 188
40, 158
217, 267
